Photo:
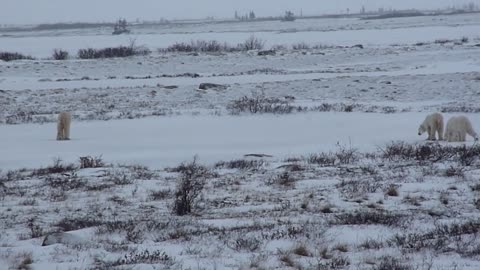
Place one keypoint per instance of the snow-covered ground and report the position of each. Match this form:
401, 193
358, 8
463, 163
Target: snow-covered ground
340, 178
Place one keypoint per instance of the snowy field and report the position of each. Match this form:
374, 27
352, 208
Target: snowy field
305, 159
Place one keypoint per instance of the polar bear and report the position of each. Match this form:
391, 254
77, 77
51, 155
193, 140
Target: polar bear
63, 126
432, 124
457, 129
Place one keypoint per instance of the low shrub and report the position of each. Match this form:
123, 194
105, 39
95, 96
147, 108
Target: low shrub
9, 56
261, 104
59, 54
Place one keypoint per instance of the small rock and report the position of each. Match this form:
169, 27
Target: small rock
257, 155
360, 46
206, 86
267, 52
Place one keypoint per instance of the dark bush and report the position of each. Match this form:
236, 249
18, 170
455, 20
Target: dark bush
442, 238
190, 185
59, 54
241, 164
136, 257
324, 159
157, 195
391, 263
65, 182
91, 162
77, 223
57, 167
431, 152
300, 46
200, 46
9, 56
261, 104
368, 217
252, 43
249, 244
120, 51
284, 179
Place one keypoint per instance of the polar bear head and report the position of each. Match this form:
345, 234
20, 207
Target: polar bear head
422, 129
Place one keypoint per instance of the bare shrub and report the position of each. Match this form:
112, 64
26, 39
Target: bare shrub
467, 155
301, 250
357, 187
246, 243
368, 217
158, 195
284, 179
119, 177
334, 262
9, 56
300, 46
56, 168
392, 191
458, 237
136, 257
190, 185
455, 171
65, 182
200, 46
77, 223
28, 202
431, 152
346, 155
252, 43
35, 229
241, 164
59, 54
141, 172
120, 51
323, 159
91, 162
371, 244
23, 261
391, 263
259, 103
341, 247
443, 41
286, 258
12, 175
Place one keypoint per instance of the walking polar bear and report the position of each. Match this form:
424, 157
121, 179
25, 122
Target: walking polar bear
432, 124
63, 126
457, 129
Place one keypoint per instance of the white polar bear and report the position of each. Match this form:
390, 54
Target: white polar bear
432, 124
63, 126
457, 129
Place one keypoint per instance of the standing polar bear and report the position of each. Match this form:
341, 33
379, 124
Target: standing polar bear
63, 126
457, 129
432, 124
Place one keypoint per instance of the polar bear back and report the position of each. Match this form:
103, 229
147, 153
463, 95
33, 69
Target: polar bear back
433, 120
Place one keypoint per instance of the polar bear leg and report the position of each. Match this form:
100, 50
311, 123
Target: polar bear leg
431, 133
440, 129
66, 129
59, 130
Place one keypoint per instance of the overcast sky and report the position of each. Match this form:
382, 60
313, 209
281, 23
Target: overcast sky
49, 11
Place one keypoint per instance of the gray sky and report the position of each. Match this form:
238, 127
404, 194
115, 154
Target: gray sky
49, 11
